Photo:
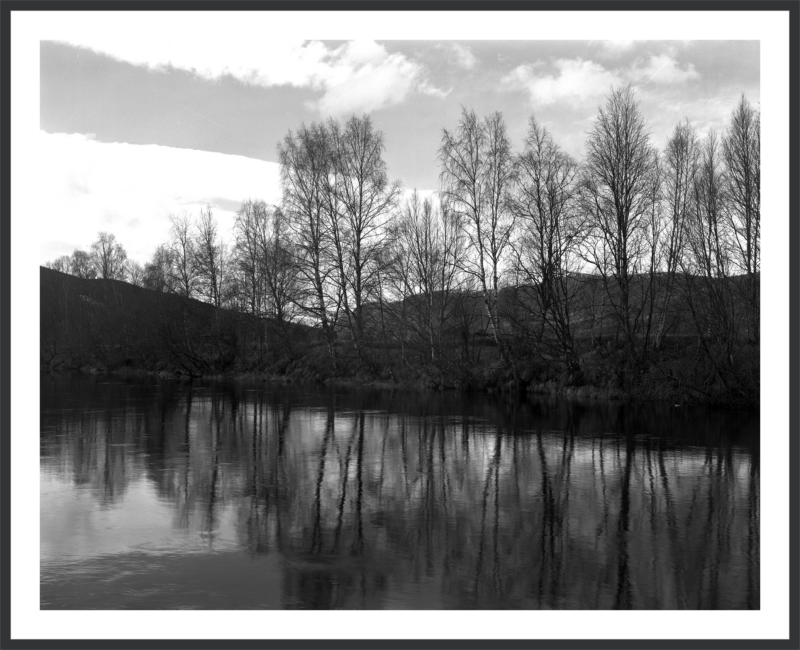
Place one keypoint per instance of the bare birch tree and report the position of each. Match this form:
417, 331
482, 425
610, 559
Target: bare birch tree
249, 228
741, 153
134, 273
81, 265
708, 264
549, 232
428, 245
277, 266
61, 263
476, 170
158, 272
361, 198
617, 192
305, 164
182, 252
209, 253
681, 163
108, 257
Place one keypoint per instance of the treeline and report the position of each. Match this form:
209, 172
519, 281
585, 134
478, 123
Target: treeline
633, 270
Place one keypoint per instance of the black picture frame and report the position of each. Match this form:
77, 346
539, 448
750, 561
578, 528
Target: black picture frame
8, 8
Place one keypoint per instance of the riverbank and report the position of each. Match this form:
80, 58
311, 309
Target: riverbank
111, 326
647, 390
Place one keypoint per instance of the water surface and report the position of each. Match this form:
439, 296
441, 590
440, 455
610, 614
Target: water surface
160, 494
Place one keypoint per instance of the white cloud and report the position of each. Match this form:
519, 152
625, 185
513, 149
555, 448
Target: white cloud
578, 80
460, 55
357, 76
662, 69
618, 46
130, 190
361, 76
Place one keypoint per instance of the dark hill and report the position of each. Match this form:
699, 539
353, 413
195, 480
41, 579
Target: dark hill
109, 324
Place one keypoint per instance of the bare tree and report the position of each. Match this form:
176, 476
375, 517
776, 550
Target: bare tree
209, 260
709, 250
158, 272
264, 257
360, 198
249, 229
81, 265
617, 196
655, 223
681, 163
182, 252
708, 264
305, 163
108, 257
741, 153
277, 266
62, 264
135, 273
427, 244
476, 170
549, 232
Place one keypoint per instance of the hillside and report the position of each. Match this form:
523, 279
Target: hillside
108, 324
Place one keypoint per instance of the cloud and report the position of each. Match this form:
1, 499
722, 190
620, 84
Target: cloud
361, 76
662, 69
618, 46
132, 189
578, 80
459, 55
357, 76
575, 79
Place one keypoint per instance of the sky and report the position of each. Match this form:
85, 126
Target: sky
135, 128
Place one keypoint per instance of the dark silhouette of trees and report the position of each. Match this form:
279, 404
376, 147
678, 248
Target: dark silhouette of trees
135, 273
158, 272
108, 257
62, 264
81, 265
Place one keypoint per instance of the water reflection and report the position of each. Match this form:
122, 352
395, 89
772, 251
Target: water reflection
161, 494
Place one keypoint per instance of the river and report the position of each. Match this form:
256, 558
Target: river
162, 494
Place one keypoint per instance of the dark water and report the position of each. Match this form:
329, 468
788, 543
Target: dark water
162, 494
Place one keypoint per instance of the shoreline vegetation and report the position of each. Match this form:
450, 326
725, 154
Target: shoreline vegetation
108, 326
552, 389
634, 273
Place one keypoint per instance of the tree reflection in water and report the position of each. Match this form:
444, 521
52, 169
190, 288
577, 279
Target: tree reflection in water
380, 499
